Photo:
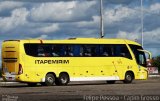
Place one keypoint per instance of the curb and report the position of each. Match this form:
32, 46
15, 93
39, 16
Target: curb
153, 75
3, 82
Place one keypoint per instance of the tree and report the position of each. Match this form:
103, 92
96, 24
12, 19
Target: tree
156, 62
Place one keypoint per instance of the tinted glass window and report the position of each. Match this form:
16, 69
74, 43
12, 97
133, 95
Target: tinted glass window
122, 51
31, 49
115, 51
80, 50
107, 50
139, 55
89, 50
51, 50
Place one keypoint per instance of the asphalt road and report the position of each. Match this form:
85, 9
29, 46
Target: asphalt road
148, 90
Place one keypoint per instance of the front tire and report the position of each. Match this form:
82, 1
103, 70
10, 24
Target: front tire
49, 80
128, 78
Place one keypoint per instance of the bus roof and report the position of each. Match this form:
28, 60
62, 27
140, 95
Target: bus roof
81, 41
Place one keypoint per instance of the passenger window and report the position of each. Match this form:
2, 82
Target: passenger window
31, 49
55, 50
122, 51
44, 51
86, 50
68, 50
40, 51
89, 50
106, 50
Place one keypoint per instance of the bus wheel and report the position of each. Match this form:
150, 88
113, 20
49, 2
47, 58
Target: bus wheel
128, 77
111, 82
49, 80
63, 79
32, 84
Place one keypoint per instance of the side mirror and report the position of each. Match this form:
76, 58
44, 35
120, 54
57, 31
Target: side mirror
147, 52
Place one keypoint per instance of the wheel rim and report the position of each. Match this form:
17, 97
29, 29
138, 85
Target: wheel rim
63, 79
129, 77
50, 80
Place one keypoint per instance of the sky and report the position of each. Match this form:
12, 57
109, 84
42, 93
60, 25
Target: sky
62, 19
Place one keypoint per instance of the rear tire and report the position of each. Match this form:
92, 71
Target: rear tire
111, 82
128, 78
49, 80
63, 79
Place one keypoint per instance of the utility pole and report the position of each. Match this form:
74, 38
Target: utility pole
142, 22
101, 18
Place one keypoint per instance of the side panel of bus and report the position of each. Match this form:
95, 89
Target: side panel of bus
89, 69
80, 68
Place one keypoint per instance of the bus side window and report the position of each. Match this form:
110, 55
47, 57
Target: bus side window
48, 50
81, 51
107, 50
76, 50
87, 50
40, 51
94, 51
105, 53
122, 51
56, 50
44, 50
68, 51
31, 49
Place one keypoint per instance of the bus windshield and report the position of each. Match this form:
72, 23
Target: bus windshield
139, 55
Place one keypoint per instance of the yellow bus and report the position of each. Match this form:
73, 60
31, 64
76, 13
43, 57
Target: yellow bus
51, 62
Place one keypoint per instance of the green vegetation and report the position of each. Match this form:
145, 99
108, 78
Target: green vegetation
156, 62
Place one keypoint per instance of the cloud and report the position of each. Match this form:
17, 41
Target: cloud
61, 11
18, 24
59, 19
94, 23
42, 37
131, 36
18, 18
120, 13
152, 38
39, 1
155, 7
7, 6
154, 51
152, 17
48, 29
